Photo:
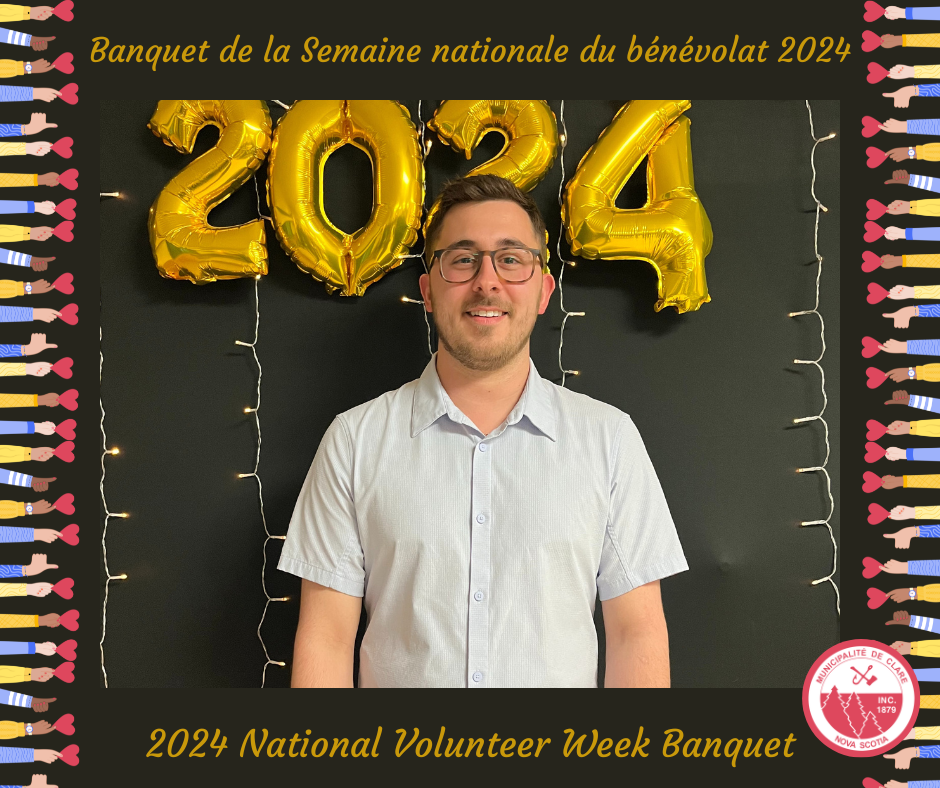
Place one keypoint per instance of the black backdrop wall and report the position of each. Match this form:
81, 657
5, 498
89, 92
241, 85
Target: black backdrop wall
713, 394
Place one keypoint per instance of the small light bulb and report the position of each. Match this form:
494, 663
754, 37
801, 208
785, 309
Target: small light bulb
563, 139
115, 450
257, 276
247, 410
123, 576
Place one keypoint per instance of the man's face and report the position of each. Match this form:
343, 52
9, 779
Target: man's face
479, 342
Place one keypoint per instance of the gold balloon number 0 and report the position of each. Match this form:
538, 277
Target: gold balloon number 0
671, 232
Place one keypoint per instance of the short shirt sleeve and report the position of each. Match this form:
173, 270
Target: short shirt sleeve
641, 544
322, 542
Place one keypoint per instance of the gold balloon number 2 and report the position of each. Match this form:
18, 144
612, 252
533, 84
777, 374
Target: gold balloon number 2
671, 232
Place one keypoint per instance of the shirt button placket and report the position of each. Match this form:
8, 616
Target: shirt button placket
480, 529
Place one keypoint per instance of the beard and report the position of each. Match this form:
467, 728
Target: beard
482, 356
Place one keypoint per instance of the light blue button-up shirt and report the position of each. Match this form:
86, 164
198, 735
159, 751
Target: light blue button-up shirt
480, 556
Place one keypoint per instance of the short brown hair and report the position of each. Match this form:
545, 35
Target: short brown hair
482, 188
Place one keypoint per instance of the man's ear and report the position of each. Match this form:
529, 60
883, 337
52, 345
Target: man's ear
424, 282
548, 287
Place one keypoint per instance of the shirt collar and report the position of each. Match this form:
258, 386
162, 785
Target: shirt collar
431, 402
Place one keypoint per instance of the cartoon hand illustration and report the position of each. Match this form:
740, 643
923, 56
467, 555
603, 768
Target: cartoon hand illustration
46, 756
38, 589
37, 123
893, 567
895, 783
45, 11
892, 261
49, 94
901, 618
41, 726
899, 427
898, 375
40, 781
45, 535
902, 318
902, 99
891, 483
42, 674
894, 233
894, 126
898, 595
37, 344
41, 485
42, 507
894, 453
40, 233
902, 758
902, 513
46, 207
893, 12
37, 148
899, 177
898, 207
901, 72
38, 564
902, 539
39, 369
40, 43
41, 704
40, 263
40, 66
46, 315
44, 286
48, 179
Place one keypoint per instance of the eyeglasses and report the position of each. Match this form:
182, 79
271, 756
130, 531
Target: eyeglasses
513, 265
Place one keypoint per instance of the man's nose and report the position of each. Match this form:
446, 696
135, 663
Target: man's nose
487, 278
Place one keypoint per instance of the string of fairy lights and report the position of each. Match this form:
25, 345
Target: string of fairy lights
817, 362
108, 514
563, 141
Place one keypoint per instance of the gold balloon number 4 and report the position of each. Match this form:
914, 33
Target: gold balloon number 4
671, 231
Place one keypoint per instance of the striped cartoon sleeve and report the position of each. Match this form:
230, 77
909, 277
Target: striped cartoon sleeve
928, 89
11, 570
922, 234
928, 310
14, 37
925, 623
8, 698
928, 531
14, 534
923, 783
927, 568
11, 129
926, 182
15, 258
930, 751
924, 347
924, 403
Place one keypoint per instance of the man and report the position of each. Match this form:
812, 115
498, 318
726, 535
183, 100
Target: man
481, 509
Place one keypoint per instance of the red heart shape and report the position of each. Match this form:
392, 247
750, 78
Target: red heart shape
65, 504
876, 514
66, 208
63, 147
876, 293
872, 482
876, 598
873, 11
69, 94
876, 73
64, 588
69, 399
69, 314
63, 368
873, 232
65, 724
69, 620
70, 754
66, 650
63, 231
69, 178
875, 377
875, 210
870, 347
64, 283
870, 41
873, 452
875, 157
870, 126
64, 10
66, 429
875, 429
64, 63
69, 535
871, 567
64, 451
870, 262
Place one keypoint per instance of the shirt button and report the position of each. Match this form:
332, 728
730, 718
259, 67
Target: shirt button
481, 518
478, 596
483, 447
478, 677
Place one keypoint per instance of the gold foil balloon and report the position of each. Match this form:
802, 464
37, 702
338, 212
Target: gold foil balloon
672, 231
184, 244
306, 136
528, 127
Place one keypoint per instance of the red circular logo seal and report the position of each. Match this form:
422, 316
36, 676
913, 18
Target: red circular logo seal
861, 698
